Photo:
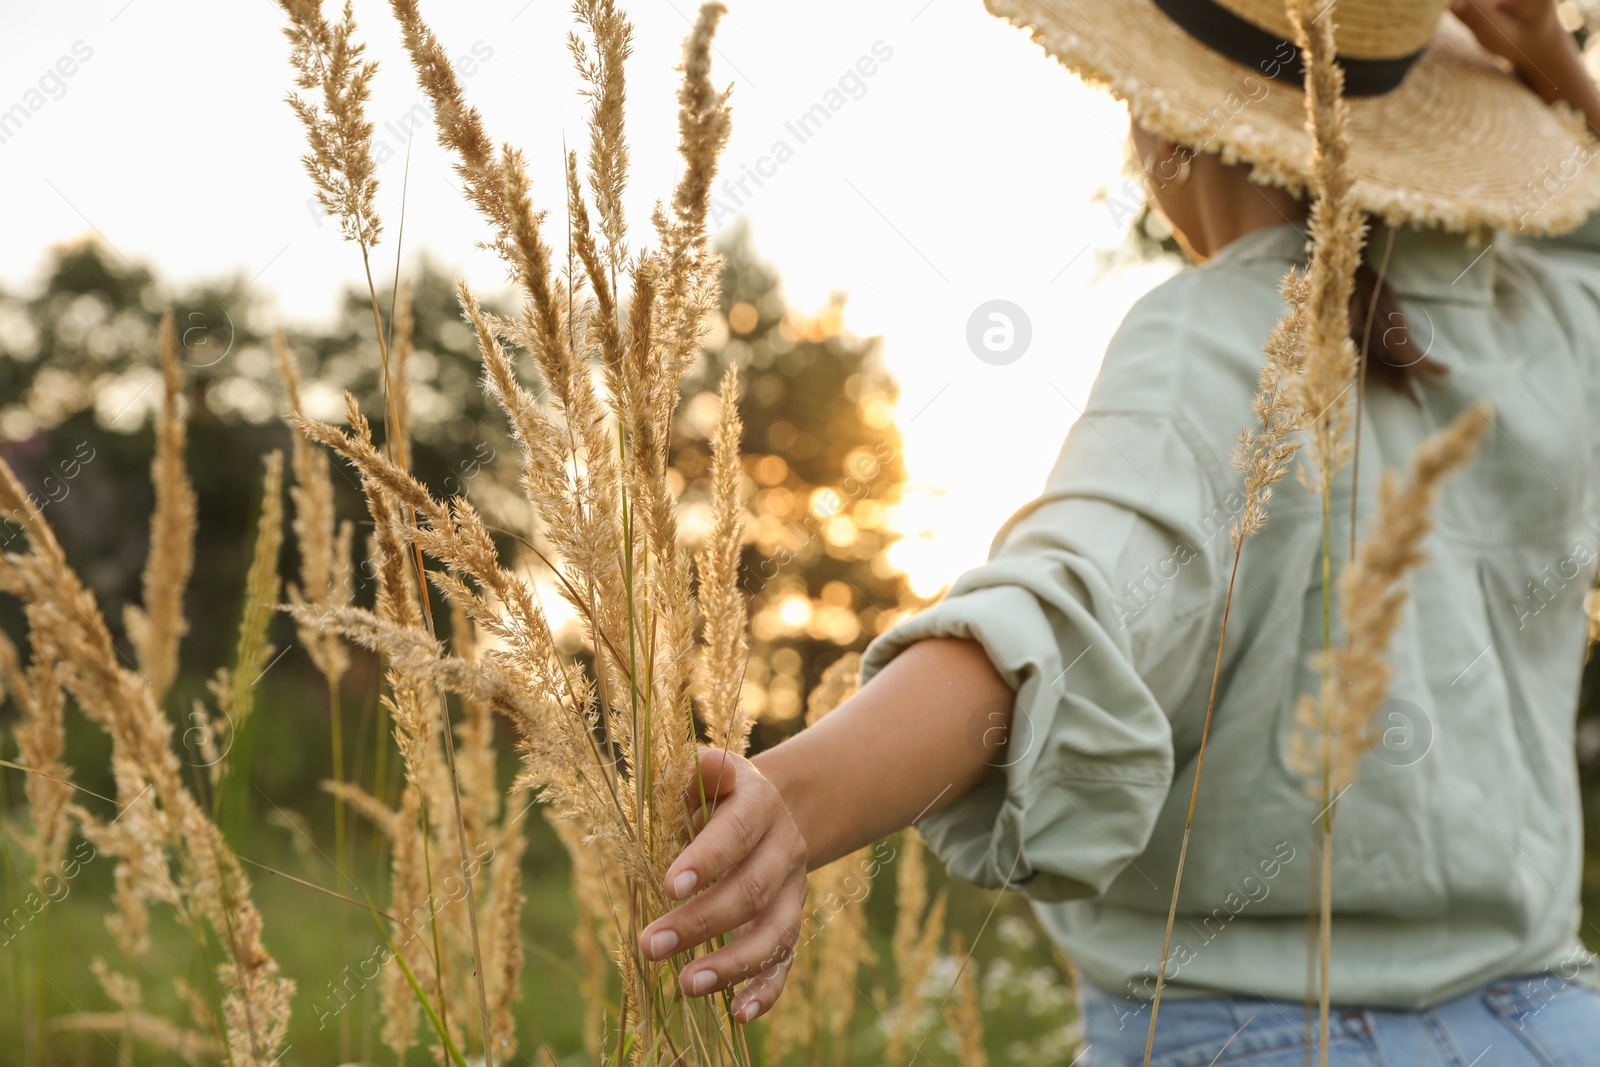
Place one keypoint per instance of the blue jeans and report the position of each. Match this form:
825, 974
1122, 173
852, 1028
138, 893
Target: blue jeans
1539, 1021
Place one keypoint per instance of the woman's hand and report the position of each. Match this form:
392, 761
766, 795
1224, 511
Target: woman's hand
1523, 32
834, 787
744, 873
1529, 35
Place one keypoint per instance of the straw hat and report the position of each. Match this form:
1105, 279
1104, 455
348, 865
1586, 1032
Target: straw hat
1442, 134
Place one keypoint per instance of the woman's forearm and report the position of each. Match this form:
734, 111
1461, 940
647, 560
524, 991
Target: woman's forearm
923, 731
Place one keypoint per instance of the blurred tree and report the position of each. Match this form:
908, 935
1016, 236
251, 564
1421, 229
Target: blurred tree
824, 465
79, 382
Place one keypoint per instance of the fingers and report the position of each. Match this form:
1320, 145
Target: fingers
1469, 12
747, 863
719, 773
761, 955
746, 805
717, 776
761, 992
1502, 26
740, 897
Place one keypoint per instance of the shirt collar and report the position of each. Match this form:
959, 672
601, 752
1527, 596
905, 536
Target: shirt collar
1431, 264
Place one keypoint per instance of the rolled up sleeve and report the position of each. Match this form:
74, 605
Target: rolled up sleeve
1094, 607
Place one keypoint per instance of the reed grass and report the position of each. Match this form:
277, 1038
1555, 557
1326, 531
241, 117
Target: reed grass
608, 737
168, 849
1335, 726
609, 744
1337, 236
328, 58
919, 930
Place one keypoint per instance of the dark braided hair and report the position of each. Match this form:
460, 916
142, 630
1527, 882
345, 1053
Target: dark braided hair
1379, 329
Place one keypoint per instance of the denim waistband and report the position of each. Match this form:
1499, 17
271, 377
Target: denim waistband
1526, 1019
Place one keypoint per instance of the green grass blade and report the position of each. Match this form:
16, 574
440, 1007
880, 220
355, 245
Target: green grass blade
422, 998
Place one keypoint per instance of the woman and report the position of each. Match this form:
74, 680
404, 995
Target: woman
1040, 725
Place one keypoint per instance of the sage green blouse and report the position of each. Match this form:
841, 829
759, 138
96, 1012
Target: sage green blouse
1457, 853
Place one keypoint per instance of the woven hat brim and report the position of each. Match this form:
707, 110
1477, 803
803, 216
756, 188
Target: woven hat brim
1460, 144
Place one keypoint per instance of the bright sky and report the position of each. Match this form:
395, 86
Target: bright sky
957, 166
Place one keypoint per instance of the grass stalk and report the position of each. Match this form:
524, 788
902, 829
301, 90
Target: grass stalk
1361, 380
1188, 821
1325, 895
433, 917
341, 854
1264, 456
472, 906
395, 441
1337, 235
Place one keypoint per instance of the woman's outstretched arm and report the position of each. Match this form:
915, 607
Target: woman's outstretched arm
922, 732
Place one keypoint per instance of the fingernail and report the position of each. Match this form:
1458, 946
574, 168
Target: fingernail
662, 942
683, 885
702, 982
749, 1010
